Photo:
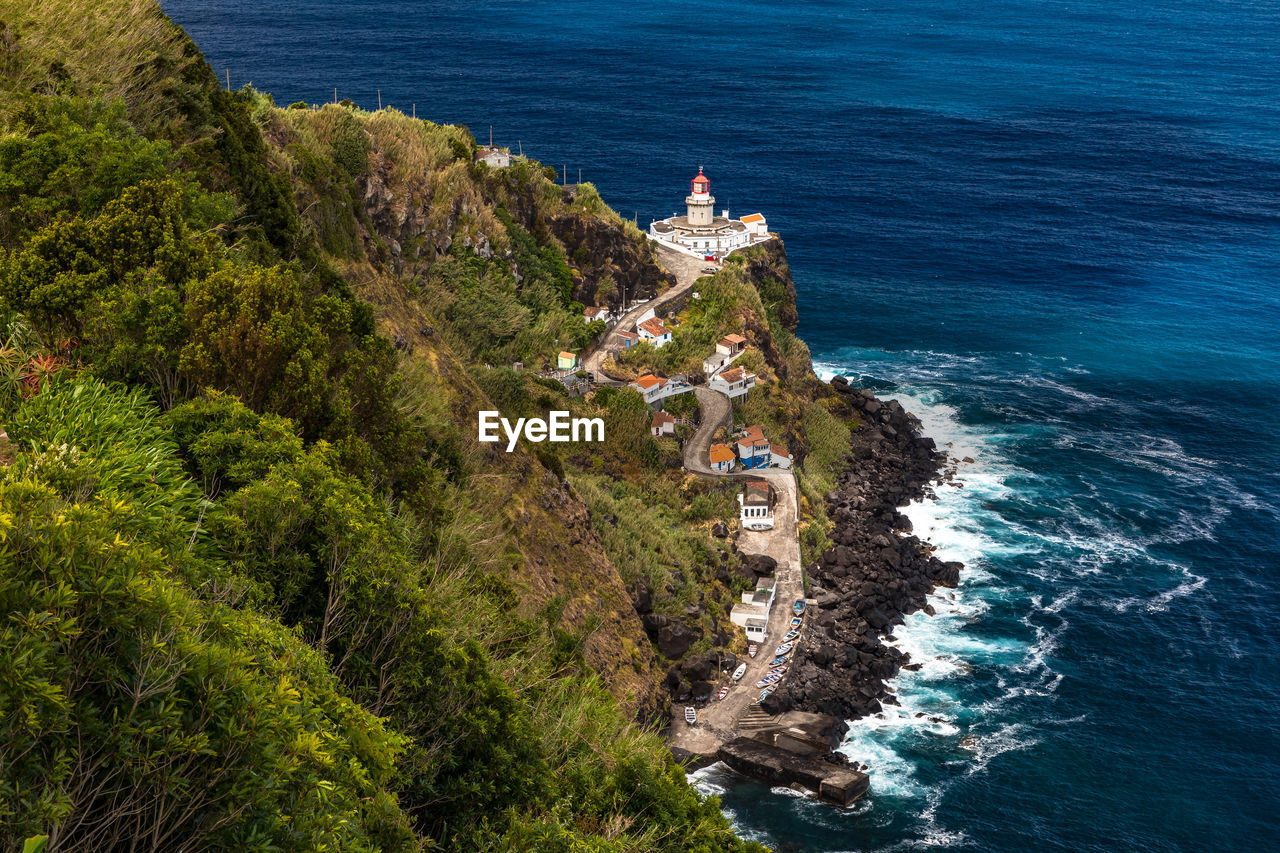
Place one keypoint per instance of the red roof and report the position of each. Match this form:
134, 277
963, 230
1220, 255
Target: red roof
648, 381
779, 450
733, 374
720, 453
662, 418
654, 327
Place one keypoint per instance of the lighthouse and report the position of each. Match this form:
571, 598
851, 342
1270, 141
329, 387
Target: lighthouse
703, 234
700, 201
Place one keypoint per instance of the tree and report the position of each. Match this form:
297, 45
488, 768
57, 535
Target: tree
132, 711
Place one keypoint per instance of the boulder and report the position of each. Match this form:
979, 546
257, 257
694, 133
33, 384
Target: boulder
675, 639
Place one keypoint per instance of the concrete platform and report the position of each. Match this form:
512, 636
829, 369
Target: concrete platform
830, 782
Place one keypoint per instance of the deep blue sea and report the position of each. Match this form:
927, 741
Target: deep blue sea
1053, 228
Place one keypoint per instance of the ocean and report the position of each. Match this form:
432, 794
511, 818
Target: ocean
1052, 229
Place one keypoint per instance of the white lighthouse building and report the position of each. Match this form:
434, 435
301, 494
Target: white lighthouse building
703, 234
700, 202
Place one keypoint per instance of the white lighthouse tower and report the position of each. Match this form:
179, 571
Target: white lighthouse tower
700, 201
703, 234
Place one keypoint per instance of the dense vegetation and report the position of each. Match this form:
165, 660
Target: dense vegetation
253, 592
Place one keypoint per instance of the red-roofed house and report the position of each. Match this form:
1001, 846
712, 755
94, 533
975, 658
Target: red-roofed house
731, 344
590, 315
733, 383
654, 332
756, 501
662, 424
780, 456
753, 448
722, 458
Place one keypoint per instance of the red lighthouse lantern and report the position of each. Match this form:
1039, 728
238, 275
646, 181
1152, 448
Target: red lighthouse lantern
700, 185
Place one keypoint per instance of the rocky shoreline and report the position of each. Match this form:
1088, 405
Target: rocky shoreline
875, 574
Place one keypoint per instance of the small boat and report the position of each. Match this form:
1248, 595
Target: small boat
799, 606
724, 691
764, 694
796, 621
781, 670
690, 715
739, 672
790, 635
782, 649
769, 679
779, 659
752, 649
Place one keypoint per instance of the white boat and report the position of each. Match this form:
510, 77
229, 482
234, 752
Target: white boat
752, 649
724, 691
690, 715
790, 635
739, 672
782, 649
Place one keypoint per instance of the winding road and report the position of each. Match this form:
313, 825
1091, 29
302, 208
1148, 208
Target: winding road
687, 270
719, 721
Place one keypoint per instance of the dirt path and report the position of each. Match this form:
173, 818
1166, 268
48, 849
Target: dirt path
687, 270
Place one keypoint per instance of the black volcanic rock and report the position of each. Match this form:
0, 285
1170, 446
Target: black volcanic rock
675, 639
874, 574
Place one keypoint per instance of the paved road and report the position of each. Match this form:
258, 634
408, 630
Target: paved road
687, 270
717, 722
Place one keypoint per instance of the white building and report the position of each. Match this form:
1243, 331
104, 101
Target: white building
590, 315
662, 424
752, 613
779, 456
655, 389
754, 450
733, 383
499, 158
722, 459
700, 232
756, 502
654, 332
731, 344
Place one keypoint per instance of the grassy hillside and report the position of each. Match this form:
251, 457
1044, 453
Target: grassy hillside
288, 601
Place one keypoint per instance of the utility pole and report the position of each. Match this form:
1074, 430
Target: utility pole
415, 111
521, 144
579, 175
379, 99
335, 94
490, 136
228, 79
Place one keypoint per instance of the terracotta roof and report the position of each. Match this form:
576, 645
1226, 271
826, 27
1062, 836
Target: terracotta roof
733, 374
753, 430
648, 381
720, 453
779, 450
757, 491
733, 339
662, 418
753, 441
593, 311
564, 354
625, 334
753, 217
654, 327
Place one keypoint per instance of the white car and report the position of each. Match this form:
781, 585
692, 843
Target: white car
739, 672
